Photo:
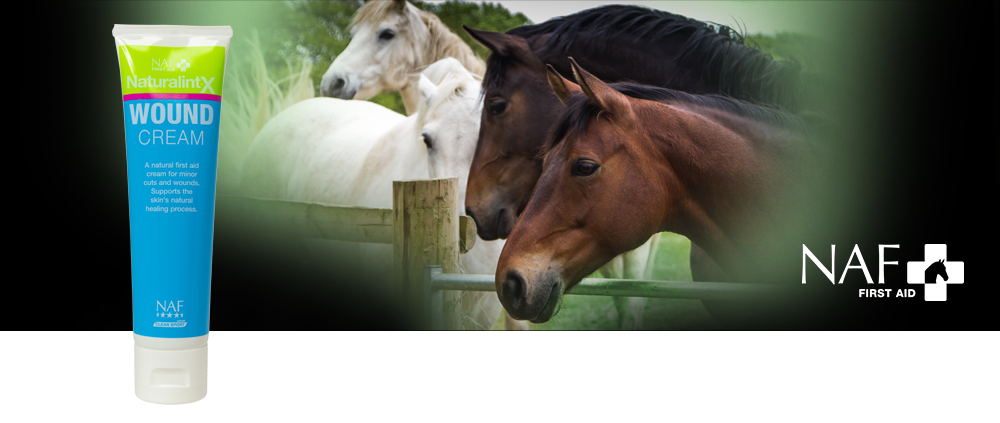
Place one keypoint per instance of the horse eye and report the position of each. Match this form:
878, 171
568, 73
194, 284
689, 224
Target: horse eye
584, 168
497, 107
386, 35
427, 140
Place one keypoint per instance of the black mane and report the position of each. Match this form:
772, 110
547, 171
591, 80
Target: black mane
638, 22
717, 51
579, 110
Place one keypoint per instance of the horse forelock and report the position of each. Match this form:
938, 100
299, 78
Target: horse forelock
373, 12
573, 120
495, 68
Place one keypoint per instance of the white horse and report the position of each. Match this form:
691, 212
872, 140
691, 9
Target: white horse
347, 152
391, 41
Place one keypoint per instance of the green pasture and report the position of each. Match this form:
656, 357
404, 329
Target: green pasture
584, 312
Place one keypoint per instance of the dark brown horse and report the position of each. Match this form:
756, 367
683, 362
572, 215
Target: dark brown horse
619, 168
617, 43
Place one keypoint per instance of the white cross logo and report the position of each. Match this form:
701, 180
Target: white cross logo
184, 65
935, 266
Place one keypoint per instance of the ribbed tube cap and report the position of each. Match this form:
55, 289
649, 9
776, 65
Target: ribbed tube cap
171, 377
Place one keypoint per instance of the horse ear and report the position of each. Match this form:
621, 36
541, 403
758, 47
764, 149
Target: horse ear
498, 42
427, 89
599, 93
562, 86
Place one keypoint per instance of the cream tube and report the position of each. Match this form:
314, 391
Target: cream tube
171, 80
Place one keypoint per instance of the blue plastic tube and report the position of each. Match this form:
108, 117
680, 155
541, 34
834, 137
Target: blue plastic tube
172, 96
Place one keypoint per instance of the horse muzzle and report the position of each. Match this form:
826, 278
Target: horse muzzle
493, 224
533, 300
337, 86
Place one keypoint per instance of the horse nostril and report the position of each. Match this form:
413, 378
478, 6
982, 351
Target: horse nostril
514, 288
334, 88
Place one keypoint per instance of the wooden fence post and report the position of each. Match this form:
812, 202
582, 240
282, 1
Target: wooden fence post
426, 232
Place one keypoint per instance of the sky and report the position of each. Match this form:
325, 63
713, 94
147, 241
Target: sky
819, 18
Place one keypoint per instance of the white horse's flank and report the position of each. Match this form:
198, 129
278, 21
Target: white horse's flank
347, 153
391, 41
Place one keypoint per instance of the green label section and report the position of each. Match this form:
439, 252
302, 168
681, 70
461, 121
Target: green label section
156, 69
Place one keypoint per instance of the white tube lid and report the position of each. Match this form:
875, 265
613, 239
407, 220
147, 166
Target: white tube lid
171, 377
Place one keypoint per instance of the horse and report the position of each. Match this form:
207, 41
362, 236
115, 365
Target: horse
348, 152
720, 171
391, 41
617, 43
935, 269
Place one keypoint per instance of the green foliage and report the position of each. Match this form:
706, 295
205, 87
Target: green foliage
318, 32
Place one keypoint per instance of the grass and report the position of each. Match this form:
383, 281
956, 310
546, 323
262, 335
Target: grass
584, 312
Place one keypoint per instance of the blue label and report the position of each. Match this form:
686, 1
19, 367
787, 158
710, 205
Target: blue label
173, 148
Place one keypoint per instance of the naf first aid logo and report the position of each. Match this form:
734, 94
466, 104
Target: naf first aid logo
170, 65
935, 272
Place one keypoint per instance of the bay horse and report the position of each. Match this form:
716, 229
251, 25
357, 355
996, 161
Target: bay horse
391, 42
626, 161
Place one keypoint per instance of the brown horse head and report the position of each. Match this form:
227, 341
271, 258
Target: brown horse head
618, 169
516, 114
585, 210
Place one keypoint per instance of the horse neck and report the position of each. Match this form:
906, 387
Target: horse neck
718, 178
410, 94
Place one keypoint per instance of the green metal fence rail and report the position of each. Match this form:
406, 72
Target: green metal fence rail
436, 282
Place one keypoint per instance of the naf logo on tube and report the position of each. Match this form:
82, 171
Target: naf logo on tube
170, 65
935, 272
